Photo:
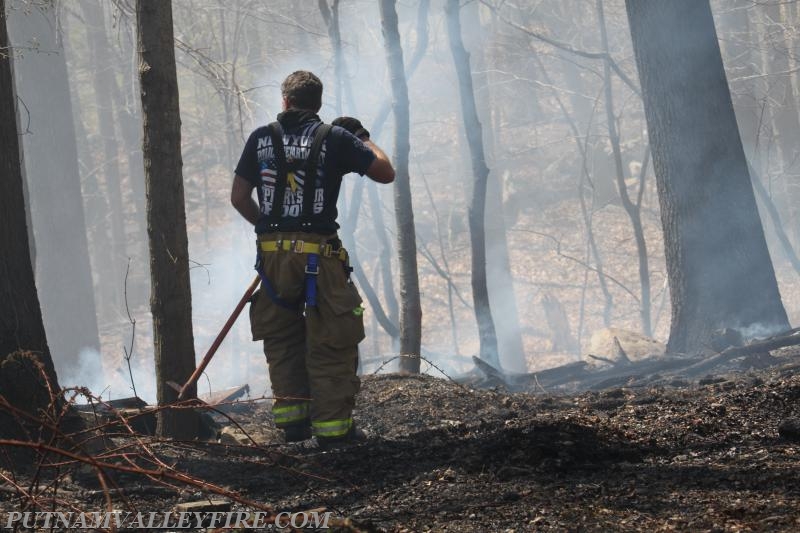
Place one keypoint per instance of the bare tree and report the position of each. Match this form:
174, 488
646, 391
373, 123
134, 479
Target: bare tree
410, 306
103, 83
21, 326
389, 318
330, 14
719, 269
500, 279
171, 299
477, 208
633, 209
97, 211
63, 268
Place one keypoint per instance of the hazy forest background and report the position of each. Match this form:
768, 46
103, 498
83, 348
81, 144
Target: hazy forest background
562, 253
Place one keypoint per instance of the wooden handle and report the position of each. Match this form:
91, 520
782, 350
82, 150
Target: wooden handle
215, 345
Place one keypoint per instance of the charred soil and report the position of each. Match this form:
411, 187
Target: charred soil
445, 457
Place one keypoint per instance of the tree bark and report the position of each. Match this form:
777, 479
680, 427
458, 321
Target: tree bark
410, 306
170, 300
63, 271
477, 208
21, 325
719, 270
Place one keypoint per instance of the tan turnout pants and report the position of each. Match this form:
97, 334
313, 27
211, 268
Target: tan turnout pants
312, 352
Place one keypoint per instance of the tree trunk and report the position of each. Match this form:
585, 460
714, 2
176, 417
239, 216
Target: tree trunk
786, 114
410, 307
97, 216
389, 316
330, 14
171, 299
57, 211
103, 84
473, 130
502, 295
736, 32
385, 254
392, 308
125, 92
128, 116
632, 209
791, 16
21, 325
781, 90
720, 273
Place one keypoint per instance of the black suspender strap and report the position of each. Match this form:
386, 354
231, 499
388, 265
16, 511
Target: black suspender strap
282, 174
276, 134
309, 186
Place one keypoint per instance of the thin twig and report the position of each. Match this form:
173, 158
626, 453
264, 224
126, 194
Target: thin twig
581, 262
568, 48
129, 351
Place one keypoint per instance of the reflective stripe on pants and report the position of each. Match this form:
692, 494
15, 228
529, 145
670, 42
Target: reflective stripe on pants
331, 428
290, 414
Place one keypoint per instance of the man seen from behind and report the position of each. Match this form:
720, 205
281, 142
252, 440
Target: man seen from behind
307, 312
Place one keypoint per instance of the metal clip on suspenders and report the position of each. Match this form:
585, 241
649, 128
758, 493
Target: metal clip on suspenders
309, 187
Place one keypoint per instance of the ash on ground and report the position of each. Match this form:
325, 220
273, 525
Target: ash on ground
701, 455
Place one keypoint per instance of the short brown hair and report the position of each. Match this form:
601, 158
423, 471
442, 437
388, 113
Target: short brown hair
303, 90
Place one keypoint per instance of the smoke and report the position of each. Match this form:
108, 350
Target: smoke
219, 281
112, 381
534, 172
85, 373
760, 331
220, 272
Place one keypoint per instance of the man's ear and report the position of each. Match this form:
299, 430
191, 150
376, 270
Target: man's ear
286, 104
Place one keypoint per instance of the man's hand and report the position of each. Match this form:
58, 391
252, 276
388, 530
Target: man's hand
381, 169
353, 125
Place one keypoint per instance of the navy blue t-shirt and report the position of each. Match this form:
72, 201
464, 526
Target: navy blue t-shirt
341, 153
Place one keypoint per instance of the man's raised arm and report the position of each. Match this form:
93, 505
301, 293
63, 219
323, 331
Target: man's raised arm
381, 169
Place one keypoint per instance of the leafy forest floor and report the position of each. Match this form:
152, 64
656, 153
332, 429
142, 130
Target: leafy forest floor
700, 455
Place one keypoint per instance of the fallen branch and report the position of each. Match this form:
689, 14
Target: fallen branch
543, 378
602, 359
621, 357
790, 338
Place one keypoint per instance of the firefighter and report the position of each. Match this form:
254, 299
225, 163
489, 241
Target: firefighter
307, 312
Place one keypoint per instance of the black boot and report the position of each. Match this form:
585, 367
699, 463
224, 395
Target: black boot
297, 432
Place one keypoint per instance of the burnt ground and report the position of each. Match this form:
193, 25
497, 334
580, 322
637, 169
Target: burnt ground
444, 457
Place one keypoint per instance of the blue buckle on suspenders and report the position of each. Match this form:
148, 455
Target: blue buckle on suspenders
312, 271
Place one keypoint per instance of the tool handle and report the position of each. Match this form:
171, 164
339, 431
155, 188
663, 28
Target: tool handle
220, 337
